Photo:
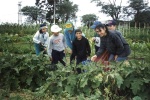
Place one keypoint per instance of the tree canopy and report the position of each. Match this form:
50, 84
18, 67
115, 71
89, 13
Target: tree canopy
88, 19
110, 9
65, 9
32, 12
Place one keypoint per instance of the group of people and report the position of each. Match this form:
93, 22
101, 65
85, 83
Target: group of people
106, 38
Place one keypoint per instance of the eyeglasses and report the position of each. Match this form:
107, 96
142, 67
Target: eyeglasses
98, 31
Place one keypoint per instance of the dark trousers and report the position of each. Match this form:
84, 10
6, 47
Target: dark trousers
78, 61
96, 48
58, 56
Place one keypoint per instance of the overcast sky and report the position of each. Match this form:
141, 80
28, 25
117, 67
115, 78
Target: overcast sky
9, 9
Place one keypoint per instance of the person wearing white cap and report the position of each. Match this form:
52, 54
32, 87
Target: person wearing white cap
40, 39
56, 45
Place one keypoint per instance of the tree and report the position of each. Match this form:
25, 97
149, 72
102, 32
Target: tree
32, 12
136, 7
64, 9
111, 9
88, 19
67, 10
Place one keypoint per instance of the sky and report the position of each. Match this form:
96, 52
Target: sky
9, 9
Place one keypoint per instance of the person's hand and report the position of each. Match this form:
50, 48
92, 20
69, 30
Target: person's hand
116, 56
41, 43
65, 51
45, 49
70, 51
93, 39
93, 58
75, 57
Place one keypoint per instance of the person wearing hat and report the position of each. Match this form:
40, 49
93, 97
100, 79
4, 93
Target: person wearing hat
69, 33
40, 39
56, 45
96, 38
112, 25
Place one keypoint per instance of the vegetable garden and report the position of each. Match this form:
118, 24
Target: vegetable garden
24, 76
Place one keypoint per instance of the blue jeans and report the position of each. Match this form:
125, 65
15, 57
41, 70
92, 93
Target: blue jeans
111, 58
37, 48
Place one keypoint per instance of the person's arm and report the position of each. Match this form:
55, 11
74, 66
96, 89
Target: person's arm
119, 44
99, 52
88, 48
64, 41
74, 49
35, 38
49, 48
47, 38
68, 41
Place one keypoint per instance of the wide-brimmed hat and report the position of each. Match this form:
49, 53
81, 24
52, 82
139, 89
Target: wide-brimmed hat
55, 28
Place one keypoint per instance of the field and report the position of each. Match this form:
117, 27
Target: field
24, 76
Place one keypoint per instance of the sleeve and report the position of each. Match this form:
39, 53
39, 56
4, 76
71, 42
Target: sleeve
49, 47
101, 49
47, 38
35, 38
88, 48
119, 44
97, 41
64, 41
68, 41
74, 49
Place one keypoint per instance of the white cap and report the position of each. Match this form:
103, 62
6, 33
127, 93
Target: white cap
55, 28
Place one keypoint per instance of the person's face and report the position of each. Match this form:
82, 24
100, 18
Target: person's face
55, 33
79, 35
44, 30
101, 32
111, 27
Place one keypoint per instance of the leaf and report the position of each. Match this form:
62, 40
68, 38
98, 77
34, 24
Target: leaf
137, 98
29, 80
17, 70
72, 80
119, 80
135, 86
69, 89
87, 90
83, 82
60, 84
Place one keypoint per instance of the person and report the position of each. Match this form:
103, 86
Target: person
56, 46
96, 38
112, 25
81, 48
69, 33
40, 39
112, 43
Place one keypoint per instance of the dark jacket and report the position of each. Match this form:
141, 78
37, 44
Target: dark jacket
115, 44
81, 48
